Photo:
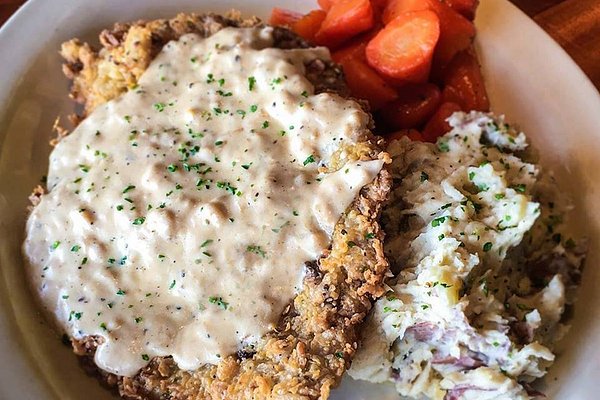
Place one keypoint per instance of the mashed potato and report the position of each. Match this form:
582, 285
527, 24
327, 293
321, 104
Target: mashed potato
484, 267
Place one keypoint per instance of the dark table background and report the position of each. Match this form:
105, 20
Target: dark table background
574, 24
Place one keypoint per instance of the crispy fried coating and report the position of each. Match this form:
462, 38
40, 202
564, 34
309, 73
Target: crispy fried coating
318, 333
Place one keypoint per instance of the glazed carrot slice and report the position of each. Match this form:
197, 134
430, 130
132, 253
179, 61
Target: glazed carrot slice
414, 106
325, 4
456, 34
464, 83
395, 8
366, 84
283, 17
437, 125
464, 7
412, 134
345, 19
403, 50
308, 25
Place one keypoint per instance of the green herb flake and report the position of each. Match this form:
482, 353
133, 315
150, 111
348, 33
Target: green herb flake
172, 168
251, 83
172, 285
519, 188
160, 107
443, 146
424, 176
309, 159
437, 221
128, 188
487, 246
206, 243
218, 301
145, 357
55, 245
120, 292
75, 248
139, 221
256, 250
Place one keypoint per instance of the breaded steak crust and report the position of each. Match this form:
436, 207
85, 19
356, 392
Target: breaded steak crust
317, 335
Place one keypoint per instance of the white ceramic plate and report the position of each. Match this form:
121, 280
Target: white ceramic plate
529, 78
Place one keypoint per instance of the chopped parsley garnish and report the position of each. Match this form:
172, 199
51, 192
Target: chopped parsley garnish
437, 221
519, 187
227, 187
246, 166
256, 250
75, 248
121, 292
443, 146
424, 176
119, 207
138, 319
218, 301
487, 246
251, 83
304, 93
253, 108
103, 326
139, 221
172, 285
370, 236
309, 159
172, 168
339, 354
499, 196
160, 107
471, 175
145, 357
128, 188
84, 168
206, 243
55, 245
265, 124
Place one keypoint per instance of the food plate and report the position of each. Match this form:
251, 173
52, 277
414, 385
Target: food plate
532, 81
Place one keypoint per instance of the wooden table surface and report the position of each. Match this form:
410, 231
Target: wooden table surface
574, 24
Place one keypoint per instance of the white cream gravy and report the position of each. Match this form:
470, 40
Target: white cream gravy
179, 216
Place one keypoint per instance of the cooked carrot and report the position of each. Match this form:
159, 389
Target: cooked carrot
325, 4
437, 125
463, 83
395, 8
283, 17
403, 50
356, 49
456, 32
412, 134
308, 25
366, 84
345, 19
414, 106
464, 7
